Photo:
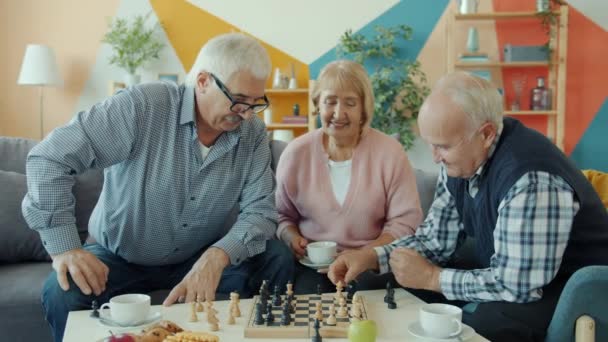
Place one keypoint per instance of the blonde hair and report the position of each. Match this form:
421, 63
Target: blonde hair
346, 75
477, 97
228, 53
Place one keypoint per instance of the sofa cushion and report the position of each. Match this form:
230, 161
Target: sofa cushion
19, 242
13, 152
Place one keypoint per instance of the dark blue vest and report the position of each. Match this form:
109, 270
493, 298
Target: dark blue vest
521, 150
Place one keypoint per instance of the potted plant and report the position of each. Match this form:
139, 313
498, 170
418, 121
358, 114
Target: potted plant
399, 85
133, 45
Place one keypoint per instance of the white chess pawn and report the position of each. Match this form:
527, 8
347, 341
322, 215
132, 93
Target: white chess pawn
231, 319
342, 312
199, 305
193, 317
331, 320
319, 313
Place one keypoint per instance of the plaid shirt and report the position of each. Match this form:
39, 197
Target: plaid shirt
161, 200
529, 239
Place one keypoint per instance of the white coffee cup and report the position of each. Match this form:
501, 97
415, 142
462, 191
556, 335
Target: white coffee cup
128, 309
441, 320
322, 252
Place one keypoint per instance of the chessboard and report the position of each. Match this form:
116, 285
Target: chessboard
302, 323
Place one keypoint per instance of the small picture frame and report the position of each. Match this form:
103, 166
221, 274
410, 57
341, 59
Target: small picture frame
169, 77
116, 86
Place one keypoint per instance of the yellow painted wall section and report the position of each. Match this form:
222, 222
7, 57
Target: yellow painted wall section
74, 30
189, 27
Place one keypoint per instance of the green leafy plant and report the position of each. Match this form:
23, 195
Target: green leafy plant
399, 85
133, 44
549, 19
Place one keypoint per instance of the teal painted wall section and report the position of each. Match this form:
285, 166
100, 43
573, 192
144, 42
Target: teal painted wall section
420, 15
591, 152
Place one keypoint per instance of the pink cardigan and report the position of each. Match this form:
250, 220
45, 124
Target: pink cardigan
382, 195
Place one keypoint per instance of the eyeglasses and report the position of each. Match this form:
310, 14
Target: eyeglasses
238, 106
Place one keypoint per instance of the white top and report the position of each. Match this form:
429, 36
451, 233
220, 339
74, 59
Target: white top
340, 173
204, 149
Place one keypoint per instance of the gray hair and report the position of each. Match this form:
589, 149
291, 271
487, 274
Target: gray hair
477, 97
228, 53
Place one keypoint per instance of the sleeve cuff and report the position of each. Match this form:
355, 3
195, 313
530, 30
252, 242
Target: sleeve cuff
60, 239
451, 283
236, 249
383, 257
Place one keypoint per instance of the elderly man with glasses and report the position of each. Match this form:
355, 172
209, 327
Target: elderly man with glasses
177, 159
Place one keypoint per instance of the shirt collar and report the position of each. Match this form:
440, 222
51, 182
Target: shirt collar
187, 111
490, 154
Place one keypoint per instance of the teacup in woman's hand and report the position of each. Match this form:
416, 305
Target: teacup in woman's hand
322, 252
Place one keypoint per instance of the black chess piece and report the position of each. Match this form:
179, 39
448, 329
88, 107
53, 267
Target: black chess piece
351, 289
276, 298
392, 305
389, 292
259, 318
269, 315
319, 292
286, 316
95, 307
317, 337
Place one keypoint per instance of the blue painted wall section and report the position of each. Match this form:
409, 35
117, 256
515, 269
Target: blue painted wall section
417, 14
591, 152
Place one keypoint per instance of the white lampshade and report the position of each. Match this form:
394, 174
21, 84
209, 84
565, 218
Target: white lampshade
39, 67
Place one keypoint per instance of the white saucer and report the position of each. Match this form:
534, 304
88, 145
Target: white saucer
306, 262
153, 317
416, 330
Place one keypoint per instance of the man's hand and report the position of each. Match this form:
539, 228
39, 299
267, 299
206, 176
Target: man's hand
87, 271
203, 278
414, 271
295, 241
349, 265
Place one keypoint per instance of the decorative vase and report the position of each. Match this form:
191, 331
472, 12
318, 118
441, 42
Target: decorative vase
277, 81
473, 40
468, 6
542, 6
132, 79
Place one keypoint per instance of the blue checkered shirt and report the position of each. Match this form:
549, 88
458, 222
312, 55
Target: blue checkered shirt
529, 239
161, 200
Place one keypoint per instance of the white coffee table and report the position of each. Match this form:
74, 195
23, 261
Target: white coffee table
392, 324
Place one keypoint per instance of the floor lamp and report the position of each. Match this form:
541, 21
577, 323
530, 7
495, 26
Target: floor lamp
39, 68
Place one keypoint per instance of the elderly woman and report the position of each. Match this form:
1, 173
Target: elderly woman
345, 182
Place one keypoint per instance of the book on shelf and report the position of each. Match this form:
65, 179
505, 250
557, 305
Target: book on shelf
295, 119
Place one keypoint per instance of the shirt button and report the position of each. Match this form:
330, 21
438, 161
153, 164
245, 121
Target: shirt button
185, 225
44, 243
192, 198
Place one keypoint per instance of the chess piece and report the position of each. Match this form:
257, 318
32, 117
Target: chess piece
199, 305
193, 317
269, 315
389, 292
342, 311
95, 307
392, 305
286, 316
319, 311
259, 318
234, 300
211, 318
231, 319
276, 298
317, 336
356, 298
289, 291
351, 289
331, 320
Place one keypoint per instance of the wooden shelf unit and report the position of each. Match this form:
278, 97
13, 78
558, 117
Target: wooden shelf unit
281, 103
558, 42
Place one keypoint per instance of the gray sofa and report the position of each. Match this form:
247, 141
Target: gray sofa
24, 264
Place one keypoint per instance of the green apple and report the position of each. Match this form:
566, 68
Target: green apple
362, 331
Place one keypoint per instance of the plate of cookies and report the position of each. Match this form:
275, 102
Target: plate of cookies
163, 331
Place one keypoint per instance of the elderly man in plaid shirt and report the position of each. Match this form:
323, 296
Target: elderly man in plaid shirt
532, 215
177, 159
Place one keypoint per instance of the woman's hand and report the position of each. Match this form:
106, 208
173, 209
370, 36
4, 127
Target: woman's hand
295, 241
